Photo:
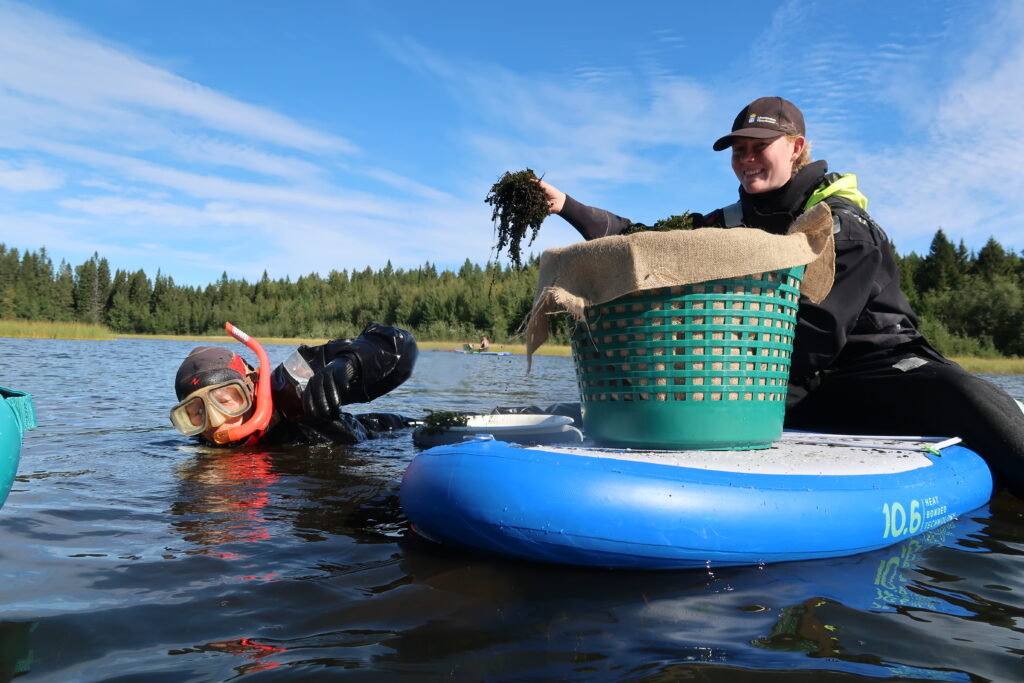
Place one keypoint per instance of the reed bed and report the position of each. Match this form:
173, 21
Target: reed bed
44, 329
424, 345
223, 339
995, 366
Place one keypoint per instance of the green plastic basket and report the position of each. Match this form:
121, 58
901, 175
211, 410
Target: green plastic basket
703, 366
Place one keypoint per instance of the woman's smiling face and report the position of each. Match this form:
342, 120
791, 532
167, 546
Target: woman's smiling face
765, 165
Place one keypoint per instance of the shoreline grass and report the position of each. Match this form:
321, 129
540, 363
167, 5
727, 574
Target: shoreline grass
39, 329
515, 349
44, 329
993, 366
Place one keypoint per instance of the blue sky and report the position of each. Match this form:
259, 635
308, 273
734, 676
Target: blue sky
241, 136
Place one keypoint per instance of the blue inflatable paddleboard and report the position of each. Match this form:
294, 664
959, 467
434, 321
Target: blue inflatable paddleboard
808, 496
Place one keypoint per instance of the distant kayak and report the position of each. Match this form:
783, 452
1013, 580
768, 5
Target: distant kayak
482, 353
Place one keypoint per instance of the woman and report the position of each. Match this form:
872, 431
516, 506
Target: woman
859, 363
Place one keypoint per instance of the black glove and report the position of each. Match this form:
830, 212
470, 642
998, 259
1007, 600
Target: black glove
329, 388
357, 370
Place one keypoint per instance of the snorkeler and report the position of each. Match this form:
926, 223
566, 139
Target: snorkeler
223, 401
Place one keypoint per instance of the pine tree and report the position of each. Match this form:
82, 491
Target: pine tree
941, 268
993, 260
63, 293
89, 293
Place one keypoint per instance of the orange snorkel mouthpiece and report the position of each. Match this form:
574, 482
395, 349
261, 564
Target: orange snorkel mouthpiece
257, 424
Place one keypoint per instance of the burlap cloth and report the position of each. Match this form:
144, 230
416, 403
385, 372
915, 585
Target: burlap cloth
589, 273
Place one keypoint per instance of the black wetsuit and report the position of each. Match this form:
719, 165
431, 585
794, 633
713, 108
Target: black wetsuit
859, 363
369, 366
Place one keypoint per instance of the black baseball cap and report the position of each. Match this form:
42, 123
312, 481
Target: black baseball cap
765, 118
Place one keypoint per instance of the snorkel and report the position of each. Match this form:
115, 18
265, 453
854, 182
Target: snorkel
257, 424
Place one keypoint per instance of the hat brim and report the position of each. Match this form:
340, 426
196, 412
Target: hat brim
760, 133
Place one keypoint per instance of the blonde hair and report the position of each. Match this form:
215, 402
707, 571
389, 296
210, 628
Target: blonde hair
805, 156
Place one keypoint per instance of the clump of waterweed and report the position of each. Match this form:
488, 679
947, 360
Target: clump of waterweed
682, 221
442, 420
519, 204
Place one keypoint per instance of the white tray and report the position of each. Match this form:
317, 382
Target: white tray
522, 429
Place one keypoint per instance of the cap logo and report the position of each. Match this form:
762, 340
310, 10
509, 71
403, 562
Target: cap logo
195, 381
767, 119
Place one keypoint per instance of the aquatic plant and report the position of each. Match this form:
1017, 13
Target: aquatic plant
441, 420
683, 221
519, 205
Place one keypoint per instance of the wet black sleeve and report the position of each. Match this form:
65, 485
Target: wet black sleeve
378, 423
349, 429
590, 221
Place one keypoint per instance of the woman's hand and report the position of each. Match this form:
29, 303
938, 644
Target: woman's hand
556, 198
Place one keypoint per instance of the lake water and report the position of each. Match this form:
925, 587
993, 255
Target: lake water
129, 553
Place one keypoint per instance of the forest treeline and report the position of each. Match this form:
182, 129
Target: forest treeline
432, 303
969, 303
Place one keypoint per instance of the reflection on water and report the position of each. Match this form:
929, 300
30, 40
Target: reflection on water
257, 657
223, 496
129, 551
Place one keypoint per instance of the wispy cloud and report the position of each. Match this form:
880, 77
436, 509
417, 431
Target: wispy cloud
50, 62
246, 157
156, 167
957, 172
593, 124
408, 185
29, 177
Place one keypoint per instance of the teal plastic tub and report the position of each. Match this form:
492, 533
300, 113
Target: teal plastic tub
702, 366
17, 415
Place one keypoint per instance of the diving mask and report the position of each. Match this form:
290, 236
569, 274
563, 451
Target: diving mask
212, 406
